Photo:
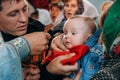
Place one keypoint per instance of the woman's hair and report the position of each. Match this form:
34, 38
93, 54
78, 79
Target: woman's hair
80, 6
6, 0
58, 5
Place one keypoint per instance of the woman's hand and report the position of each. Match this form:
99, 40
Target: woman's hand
56, 67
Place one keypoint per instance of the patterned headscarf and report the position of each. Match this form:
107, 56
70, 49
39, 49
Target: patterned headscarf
111, 26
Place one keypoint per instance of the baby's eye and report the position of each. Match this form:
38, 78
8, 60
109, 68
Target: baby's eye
65, 33
73, 33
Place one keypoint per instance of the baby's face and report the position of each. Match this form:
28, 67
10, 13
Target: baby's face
75, 33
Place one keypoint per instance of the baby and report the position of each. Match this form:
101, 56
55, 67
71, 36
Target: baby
77, 31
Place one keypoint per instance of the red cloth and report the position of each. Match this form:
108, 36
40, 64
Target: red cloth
79, 51
35, 58
117, 50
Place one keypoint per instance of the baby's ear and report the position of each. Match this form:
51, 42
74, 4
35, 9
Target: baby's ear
89, 35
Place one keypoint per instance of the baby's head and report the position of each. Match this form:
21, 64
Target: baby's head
77, 30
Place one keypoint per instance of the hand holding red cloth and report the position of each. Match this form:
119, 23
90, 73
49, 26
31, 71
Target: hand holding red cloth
79, 50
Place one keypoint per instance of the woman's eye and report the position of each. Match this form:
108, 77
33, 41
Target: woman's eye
73, 6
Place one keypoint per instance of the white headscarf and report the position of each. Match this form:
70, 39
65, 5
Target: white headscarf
59, 18
44, 16
89, 9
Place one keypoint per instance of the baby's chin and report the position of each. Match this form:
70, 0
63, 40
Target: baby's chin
68, 46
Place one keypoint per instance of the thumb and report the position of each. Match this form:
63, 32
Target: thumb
48, 36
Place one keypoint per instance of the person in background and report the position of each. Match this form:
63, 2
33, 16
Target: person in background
56, 15
41, 15
56, 11
44, 16
34, 15
54, 1
111, 41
